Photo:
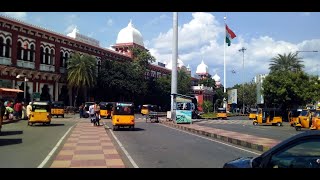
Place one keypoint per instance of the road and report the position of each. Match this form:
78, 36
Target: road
23, 146
244, 125
152, 145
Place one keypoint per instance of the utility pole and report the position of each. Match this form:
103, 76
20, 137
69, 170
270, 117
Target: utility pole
174, 66
242, 50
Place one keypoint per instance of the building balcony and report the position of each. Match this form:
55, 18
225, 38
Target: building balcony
62, 70
5, 61
25, 64
46, 67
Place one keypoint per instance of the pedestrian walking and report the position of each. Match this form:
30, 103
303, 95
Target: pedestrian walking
97, 114
81, 110
2, 111
29, 110
91, 114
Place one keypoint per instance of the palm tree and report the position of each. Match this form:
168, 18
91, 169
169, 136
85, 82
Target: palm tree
81, 72
290, 62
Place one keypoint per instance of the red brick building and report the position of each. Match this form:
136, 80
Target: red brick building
41, 54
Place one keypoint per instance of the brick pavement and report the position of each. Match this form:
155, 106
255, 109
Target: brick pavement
88, 147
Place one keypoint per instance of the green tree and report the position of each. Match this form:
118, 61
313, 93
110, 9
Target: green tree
207, 106
246, 93
81, 71
287, 89
208, 82
290, 62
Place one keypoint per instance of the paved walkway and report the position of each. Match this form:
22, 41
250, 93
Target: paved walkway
88, 147
242, 139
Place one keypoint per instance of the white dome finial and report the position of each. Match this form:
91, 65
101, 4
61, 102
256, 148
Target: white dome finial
130, 35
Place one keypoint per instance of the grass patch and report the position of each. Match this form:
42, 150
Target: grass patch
209, 115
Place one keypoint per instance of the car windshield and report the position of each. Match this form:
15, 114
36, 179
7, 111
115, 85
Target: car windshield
304, 113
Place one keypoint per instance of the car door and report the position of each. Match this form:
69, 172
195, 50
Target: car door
304, 153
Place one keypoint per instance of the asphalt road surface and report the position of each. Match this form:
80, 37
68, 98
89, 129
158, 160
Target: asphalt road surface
244, 125
23, 146
152, 145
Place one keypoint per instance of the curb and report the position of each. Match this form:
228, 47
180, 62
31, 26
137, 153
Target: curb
258, 147
10, 121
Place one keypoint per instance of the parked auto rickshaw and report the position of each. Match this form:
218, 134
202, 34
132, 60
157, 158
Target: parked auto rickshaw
57, 108
253, 113
315, 121
304, 119
41, 113
293, 116
123, 115
269, 116
222, 113
106, 109
145, 109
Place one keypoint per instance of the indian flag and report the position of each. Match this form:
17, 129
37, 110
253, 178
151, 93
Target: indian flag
229, 35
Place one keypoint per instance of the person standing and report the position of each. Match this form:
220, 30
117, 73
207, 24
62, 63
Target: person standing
2, 111
97, 114
29, 109
81, 110
91, 113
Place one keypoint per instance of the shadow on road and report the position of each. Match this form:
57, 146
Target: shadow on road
128, 129
7, 133
4, 142
56, 124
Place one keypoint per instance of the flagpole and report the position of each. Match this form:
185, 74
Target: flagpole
224, 62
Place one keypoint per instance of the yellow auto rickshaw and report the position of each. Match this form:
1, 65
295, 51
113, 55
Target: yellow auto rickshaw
106, 109
293, 116
222, 113
123, 115
315, 121
145, 109
304, 119
253, 113
41, 113
57, 108
269, 116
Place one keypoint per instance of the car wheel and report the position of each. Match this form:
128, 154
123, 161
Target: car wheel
298, 128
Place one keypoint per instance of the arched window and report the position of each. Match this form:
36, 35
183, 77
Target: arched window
1, 47
25, 51
46, 56
61, 59
8, 48
52, 57
19, 50
66, 60
42, 55
99, 65
32, 53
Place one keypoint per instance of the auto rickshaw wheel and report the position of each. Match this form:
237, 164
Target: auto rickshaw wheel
279, 124
255, 123
114, 128
298, 128
62, 116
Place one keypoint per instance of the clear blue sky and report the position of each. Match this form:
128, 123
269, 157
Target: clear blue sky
201, 36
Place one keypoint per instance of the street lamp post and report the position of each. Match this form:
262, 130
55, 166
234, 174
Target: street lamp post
242, 50
24, 88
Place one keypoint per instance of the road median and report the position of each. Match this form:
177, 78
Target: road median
241, 139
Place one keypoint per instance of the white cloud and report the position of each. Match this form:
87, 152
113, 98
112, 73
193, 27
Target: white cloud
202, 37
18, 15
70, 19
91, 34
305, 14
110, 22
70, 28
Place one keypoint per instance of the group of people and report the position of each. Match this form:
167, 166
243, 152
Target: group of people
94, 113
10, 110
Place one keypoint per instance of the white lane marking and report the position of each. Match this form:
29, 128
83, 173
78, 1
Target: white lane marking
212, 140
54, 149
123, 149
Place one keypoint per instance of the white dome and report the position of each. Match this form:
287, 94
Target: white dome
179, 64
130, 34
202, 68
216, 77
